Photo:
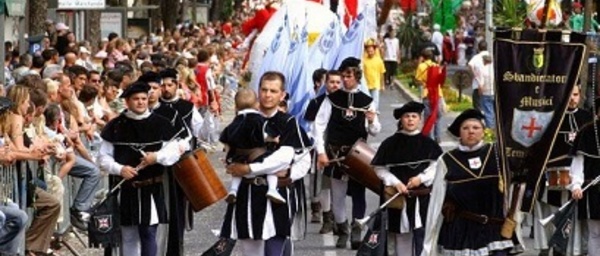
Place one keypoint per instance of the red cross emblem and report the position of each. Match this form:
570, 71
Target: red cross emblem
103, 223
373, 238
531, 128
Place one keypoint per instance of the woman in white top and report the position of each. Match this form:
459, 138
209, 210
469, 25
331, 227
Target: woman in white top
391, 56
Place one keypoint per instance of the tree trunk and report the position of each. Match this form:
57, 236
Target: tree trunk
93, 29
587, 20
216, 10
587, 15
170, 14
155, 14
37, 16
237, 5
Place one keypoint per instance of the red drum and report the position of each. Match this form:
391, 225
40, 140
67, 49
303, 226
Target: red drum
359, 166
558, 178
199, 180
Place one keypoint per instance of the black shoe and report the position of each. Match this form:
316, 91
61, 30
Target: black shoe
79, 219
343, 234
355, 237
328, 223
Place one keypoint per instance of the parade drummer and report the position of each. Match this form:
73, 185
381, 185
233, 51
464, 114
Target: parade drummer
344, 117
559, 163
585, 167
263, 228
137, 145
333, 82
465, 214
405, 162
184, 117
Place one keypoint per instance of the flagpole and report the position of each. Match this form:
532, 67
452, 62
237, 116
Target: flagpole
545, 16
489, 25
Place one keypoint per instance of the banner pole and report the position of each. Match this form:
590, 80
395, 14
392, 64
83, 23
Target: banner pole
545, 16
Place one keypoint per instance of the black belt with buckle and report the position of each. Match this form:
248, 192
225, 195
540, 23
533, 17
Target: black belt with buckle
256, 181
262, 181
146, 182
480, 218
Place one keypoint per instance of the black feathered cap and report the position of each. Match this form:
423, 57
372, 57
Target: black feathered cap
5, 104
168, 73
410, 107
134, 88
348, 63
454, 128
149, 77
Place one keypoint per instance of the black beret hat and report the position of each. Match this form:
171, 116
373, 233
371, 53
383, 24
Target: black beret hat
134, 88
410, 107
454, 128
168, 73
5, 104
348, 63
149, 77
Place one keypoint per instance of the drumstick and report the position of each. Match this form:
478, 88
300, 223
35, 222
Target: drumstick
339, 159
362, 110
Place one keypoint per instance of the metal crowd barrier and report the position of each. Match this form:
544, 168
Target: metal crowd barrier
13, 188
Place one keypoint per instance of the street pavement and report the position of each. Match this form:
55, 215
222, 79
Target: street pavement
208, 221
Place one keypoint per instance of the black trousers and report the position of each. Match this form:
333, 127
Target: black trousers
390, 71
476, 99
177, 206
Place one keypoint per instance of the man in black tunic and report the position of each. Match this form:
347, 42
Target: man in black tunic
135, 150
585, 167
551, 198
184, 116
405, 161
333, 82
265, 229
344, 117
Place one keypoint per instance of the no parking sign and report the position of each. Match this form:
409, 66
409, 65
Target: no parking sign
35, 44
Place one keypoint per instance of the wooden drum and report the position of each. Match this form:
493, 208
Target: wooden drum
359, 166
199, 180
558, 178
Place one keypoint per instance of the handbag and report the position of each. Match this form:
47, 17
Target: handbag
375, 241
104, 228
223, 247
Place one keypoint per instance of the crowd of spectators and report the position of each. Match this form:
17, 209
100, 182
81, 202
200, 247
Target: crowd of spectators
55, 102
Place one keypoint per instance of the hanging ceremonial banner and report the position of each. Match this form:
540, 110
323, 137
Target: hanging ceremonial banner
535, 75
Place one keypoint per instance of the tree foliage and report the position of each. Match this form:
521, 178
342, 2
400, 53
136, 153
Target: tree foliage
510, 13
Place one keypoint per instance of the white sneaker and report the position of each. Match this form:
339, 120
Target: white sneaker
275, 197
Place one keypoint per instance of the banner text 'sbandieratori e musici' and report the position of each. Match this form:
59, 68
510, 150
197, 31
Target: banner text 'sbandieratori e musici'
535, 73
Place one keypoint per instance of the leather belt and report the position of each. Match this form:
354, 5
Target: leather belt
262, 181
480, 218
146, 182
419, 192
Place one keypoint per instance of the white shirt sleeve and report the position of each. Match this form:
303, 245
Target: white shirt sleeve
210, 79
107, 161
197, 122
321, 122
278, 161
428, 174
301, 166
434, 212
375, 127
169, 154
577, 176
386, 176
